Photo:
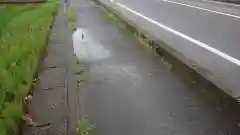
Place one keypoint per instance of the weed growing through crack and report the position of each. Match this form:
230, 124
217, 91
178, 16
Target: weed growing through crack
84, 127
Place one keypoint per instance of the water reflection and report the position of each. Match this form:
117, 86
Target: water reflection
86, 48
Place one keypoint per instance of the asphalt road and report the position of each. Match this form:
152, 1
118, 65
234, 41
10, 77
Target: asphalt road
129, 90
205, 33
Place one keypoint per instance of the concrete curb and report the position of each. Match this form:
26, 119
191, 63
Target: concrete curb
228, 1
188, 68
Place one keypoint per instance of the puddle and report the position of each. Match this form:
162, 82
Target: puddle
86, 48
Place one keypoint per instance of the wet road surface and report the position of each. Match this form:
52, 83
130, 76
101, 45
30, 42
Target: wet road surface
129, 90
205, 34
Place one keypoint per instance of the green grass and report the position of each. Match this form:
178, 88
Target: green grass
84, 127
8, 12
23, 34
71, 17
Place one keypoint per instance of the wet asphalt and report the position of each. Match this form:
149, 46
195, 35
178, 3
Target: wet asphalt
129, 90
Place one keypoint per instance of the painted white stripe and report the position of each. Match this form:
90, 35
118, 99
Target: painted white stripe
197, 42
217, 12
223, 3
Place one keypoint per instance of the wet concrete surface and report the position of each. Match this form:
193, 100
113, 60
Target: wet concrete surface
218, 31
128, 90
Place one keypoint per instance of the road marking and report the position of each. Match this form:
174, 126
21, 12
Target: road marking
197, 42
217, 12
223, 3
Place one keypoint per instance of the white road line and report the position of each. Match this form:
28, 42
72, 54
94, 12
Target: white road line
217, 12
223, 3
197, 42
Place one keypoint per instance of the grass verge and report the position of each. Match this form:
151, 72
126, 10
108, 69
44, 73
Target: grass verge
24, 31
